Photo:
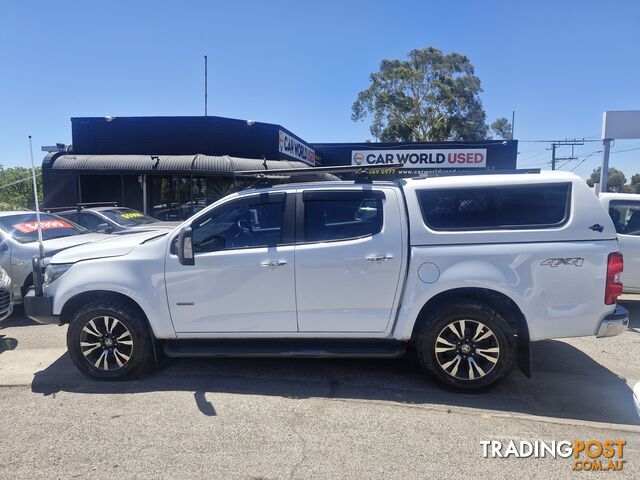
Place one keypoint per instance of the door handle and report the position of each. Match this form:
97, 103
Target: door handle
273, 263
379, 258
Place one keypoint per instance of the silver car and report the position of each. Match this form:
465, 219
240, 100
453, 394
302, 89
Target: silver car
19, 243
6, 295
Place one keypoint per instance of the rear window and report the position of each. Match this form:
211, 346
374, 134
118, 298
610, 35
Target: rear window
337, 215
626, 216
489, 208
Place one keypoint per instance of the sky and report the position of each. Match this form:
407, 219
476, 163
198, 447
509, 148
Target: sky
558, 64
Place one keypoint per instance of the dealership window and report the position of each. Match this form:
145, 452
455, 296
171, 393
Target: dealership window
174, 197
626, 216
243, 223
342, 215
486, 208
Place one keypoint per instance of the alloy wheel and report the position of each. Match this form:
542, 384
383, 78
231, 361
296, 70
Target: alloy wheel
467, 349
106, 343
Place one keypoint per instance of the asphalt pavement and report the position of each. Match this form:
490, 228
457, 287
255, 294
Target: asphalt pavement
307, 418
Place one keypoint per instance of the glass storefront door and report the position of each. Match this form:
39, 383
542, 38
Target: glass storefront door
177, 197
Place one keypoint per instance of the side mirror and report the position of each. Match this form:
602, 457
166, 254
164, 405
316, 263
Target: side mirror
104, 228
184, 247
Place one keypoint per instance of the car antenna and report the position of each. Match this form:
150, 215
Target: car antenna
35, 196
36, 261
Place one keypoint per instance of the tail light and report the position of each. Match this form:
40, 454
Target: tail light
613, 288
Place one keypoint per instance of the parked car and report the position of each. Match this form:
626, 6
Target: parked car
18, 243
6, 295
114, 219
624, 209
467, 270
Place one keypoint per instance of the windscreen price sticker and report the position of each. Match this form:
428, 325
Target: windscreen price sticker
30, 227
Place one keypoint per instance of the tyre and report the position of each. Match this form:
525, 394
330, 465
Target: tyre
467, 346
109, 341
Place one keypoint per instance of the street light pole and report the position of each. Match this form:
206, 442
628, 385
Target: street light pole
604, 167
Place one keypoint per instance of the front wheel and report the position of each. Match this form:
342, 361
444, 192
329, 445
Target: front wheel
467, 346
109, 341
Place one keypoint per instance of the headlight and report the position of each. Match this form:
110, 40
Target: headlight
53, 272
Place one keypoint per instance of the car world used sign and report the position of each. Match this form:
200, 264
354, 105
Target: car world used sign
296, 149
423, 159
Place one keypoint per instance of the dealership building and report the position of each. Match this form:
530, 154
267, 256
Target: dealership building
169, 167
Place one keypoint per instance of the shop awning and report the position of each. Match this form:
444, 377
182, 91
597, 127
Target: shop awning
223, 165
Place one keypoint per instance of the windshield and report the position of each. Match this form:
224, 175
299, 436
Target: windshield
127, 217
23, 227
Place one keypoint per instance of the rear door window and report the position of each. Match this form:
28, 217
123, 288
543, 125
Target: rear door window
503, 207
626, 216
336, 215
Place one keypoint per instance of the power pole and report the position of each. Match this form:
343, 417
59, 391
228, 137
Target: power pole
205, 86
558, 143
513, 122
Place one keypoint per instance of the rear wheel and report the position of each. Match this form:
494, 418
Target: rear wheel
466, 346
109, 341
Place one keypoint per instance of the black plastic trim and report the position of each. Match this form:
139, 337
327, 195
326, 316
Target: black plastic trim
294, 347
40, 309
620, 313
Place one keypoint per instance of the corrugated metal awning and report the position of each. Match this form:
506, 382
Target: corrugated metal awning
222, 165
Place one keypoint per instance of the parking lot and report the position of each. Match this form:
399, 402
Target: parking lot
292, 418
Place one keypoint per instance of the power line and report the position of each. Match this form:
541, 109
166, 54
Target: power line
585, 159
18, 181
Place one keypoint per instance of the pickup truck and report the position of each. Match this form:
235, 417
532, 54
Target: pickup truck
466, 270
624, 209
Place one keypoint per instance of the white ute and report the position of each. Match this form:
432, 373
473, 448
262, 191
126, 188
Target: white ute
466, 269
624, 209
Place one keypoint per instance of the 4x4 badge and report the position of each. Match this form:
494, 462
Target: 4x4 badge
596, 228
555, 262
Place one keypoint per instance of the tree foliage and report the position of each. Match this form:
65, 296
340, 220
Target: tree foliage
502, 128
431, 96
615, 181
16, 188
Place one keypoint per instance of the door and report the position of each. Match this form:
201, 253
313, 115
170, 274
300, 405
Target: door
626, 218
243, 277
348, 259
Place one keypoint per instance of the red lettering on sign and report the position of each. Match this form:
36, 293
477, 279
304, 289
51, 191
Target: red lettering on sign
30, 227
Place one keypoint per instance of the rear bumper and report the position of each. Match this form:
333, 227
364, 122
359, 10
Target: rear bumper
614, 324
39, 308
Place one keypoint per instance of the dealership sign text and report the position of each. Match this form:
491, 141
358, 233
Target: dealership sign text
424, 158
296, 149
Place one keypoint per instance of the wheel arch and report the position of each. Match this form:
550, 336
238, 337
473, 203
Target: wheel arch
498, 301
74, 303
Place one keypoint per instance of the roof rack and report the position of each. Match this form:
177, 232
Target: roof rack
81, 206
361, 172
472, 171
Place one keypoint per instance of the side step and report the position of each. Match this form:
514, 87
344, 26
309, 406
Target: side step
288, 347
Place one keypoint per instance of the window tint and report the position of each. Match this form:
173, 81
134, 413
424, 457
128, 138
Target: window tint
89, 221
486, 208
626, 216
239, 224
342, 215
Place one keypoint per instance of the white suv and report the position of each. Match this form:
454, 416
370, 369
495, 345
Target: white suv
467, 269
